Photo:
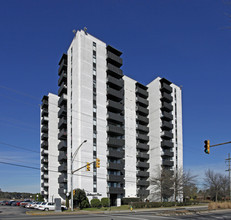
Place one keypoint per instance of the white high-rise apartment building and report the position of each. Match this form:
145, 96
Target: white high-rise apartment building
130, 127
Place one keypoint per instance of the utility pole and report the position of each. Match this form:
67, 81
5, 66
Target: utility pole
229, 175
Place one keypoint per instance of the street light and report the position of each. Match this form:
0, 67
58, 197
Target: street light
72, 159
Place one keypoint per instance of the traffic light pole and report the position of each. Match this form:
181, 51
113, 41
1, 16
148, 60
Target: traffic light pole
220, 144
82, 167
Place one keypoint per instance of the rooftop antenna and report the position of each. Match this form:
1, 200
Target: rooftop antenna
74, 31
85, 30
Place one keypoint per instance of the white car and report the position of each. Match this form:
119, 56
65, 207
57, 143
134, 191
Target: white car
50, 206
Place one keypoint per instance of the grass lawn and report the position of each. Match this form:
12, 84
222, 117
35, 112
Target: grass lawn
113, 208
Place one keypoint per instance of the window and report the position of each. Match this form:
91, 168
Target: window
94, 109
94, 121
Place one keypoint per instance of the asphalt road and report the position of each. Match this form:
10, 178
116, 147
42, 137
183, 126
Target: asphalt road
17, 213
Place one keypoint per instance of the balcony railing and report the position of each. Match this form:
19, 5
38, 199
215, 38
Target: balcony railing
115, 166
166, 88
142, 101
115, 153
142, 92
115, 105
142, 164
114, 81
62, 146
114, 59
113, 70
115, 117
142, 146
115, 142
114, 129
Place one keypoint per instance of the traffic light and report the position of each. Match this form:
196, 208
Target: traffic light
73, 192
207, 146
97, 162
88, 166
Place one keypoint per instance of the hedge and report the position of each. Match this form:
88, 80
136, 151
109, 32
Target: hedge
127, 201
95, 203
105, 202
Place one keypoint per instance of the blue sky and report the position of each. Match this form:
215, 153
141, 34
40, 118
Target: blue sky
187, 42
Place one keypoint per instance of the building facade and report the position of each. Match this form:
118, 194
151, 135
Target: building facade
113, 118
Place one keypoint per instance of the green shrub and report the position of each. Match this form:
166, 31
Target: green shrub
105, 202
95, 203
84, 204
127, 201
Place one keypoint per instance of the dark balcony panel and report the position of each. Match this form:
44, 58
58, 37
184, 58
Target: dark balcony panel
44, 176
165, 88
141, 92
115, 106
142, 146
166, 116
115, 178
142, 155
62, 111
115, 166
62, 156
166, 97
114, 59
44, 104
62, 146
167, 153
62, 100
115, 82
114, 190
62, 134
44, 128
114, 71
62, 78
115, 142
166, 107
113, 50
118, 95
118, 118
166, 144
167, 125
62, 123
168, 163
62, 62
44, 152
62, 191
143, 128
142, 165
142, 101
44, 112
44, 160
115, 154
142, 174
62, 89
142, 183
142, 137
62, 167
142, 193
44, 120
115, 130
166, 135
44, 145
62, 178
44, 136
142, 119
142, 110
44, 167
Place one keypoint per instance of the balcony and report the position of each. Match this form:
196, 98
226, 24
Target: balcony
44, 103
62, 146
115, 130
166, 116
167, 153
166, 144
115, 190
115, 154
143, 128
44, 145
167, 163
44, 152
63, 63
166, 107
44, 128
62, 134
62, 168
118, 95
115, 166
62, 100
142, 92
62, 89
114, 142
166, 125
44, 120
114, 59
113, 50
62, 156
44, 176
115, 71
44, 136
62, 123
142, 146
44, 112
115, 117
142, 119
62, 191
142, 183
115, 178
115, 105
44, 160
142, 137
165, 88
142, 101
142, 110
62, 111
142, 193
142, 165
166, 135
44, 184
142, 174
62, 78
166, 97
44, 167
115, 82
142, 155
62, 178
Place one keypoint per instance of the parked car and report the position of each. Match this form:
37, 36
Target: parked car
4, 202
14, 203
34, 205
50, 206
24, 203
18, 203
